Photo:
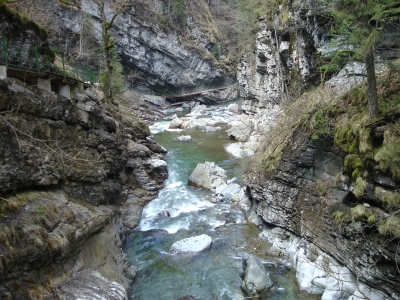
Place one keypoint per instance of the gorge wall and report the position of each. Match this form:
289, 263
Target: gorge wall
309, 191
67, 165
168, 58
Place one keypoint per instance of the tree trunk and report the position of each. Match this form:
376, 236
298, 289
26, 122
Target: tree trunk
371, 80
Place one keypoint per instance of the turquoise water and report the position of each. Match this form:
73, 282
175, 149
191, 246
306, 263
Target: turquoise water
216, 272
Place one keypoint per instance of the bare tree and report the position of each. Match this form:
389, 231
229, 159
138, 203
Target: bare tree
108, 40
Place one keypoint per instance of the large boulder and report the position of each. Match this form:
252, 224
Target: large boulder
256, 278
192, 245
234, 108
241, 131
175, 123
90, 284
198, 109
208, 176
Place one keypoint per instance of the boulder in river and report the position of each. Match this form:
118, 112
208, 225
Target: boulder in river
208, 176
256, 278
192, 245
175, 123
184, 138
241, 131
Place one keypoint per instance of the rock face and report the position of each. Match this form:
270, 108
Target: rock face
192, 245
94, 286
292, 199
286, 56
208, 176
144, 46
256, 278
65, 167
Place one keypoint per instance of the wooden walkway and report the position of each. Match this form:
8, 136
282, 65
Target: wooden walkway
193, 94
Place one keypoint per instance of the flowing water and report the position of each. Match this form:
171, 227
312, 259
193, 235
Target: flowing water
216, 272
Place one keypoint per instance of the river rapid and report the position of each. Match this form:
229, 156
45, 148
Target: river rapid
216, 272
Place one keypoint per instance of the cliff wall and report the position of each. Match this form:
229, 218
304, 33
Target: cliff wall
168, 58
66, 166
319, 173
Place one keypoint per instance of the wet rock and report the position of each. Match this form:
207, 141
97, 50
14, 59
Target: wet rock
184, 138
256, 278
171, 117
241, 131
233, 108
227, 190
274, 251
208, 176
185, 106
164, 213
89, 284
212, 129
243, 200
192, 245
198, 109
175, 123
194, 123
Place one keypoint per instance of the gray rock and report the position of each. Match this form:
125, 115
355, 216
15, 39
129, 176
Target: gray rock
89, 284
198, 109
274, 251
192, 245
184, 138
175, 123
212, 129
233, 108
241, 132
171, 117
384, 181
164, 213
208, 176
228, 190
256, 278
156, 100
185, 106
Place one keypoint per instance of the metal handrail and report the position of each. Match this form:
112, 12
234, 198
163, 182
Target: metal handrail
35, 62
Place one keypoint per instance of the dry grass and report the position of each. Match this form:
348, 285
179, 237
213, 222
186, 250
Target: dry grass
297, 115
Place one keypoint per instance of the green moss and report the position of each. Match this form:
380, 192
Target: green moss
359, 187
320, 124
360, 213
388, 156
390, 226
341, 218
7, 13
389, 198
353, 165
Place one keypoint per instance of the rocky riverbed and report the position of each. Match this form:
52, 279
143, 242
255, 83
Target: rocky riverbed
318, 271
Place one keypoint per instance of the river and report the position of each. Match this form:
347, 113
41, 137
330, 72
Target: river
216, 272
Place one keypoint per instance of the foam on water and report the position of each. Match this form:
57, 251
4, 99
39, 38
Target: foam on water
159, 127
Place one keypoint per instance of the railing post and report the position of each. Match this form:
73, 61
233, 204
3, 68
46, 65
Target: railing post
76, 69
37, 60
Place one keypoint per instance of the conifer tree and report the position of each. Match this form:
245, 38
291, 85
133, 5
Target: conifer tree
362, 21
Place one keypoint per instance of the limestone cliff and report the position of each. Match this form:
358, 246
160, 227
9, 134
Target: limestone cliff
66, 165
325, 172
166, 58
